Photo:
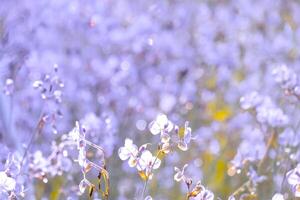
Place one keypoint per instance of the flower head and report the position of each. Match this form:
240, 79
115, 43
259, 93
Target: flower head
163, 126
179, 176
6, 183
185, 136
131, 151
147, 163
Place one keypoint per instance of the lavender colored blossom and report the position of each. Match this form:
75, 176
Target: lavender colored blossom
105, 99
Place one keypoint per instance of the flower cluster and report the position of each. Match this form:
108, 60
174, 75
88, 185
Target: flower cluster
287, 79
112, 66
142, 158
199, 192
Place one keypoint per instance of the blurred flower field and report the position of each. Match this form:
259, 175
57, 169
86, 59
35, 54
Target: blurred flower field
150, 100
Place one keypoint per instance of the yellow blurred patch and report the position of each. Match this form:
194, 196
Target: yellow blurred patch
218, 110
56, 185
211, 83
239, 75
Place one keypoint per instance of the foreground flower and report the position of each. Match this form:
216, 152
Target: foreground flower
6, 183
129, 151
293, 178
179, 176
185, 136
147, 163
161, 125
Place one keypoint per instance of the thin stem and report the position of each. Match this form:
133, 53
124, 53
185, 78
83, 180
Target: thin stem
146, 182
241, 188
92, 144
144, 188
38, 130
269, 145
260, 164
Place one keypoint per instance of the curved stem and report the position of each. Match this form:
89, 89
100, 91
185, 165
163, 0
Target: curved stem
260, 164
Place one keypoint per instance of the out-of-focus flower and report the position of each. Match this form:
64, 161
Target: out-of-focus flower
9, 86
250, 100
285, 76
266, 111
252, 148
231, 198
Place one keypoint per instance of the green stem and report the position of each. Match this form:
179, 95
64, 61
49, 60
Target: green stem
146, 182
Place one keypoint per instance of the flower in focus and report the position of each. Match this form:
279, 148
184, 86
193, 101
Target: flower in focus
179, 176
185, 136
129, 151
147, 163
163, 126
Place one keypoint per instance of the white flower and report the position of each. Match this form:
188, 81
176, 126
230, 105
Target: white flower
161, 125
132, 152
7, 183
293, 178
129, 151
148, 162
278, 196
180, 173
185, 137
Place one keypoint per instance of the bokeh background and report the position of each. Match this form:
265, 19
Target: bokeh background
118, 63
